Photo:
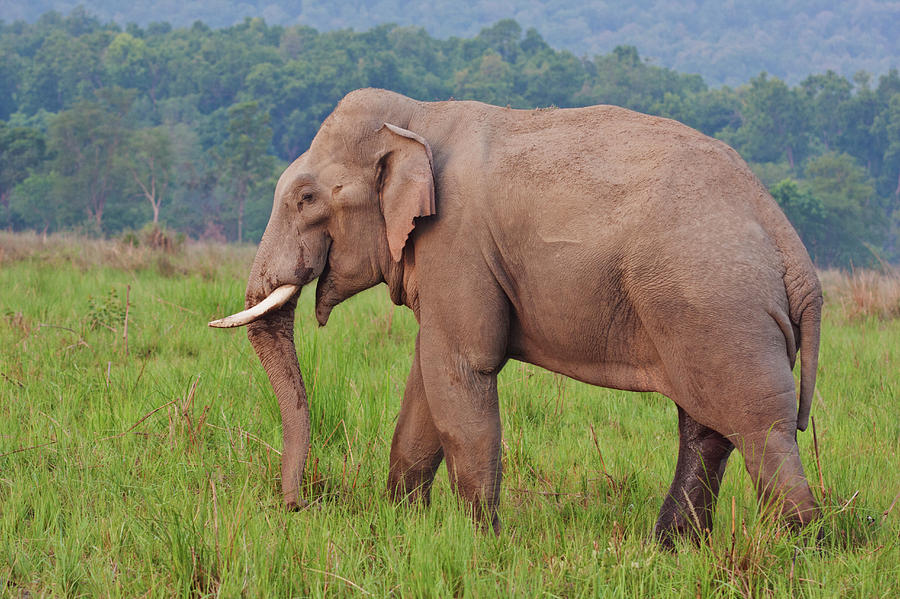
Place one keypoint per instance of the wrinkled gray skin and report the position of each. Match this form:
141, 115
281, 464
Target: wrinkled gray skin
620, 249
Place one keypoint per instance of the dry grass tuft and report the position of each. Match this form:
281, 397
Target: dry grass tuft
863, 293
160, 253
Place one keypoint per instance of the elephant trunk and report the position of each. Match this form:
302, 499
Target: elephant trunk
273, 287
272, 337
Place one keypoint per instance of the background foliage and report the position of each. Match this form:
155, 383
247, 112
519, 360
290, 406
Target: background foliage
106, 128
726, 42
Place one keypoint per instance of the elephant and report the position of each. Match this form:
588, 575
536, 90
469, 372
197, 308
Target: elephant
620, 249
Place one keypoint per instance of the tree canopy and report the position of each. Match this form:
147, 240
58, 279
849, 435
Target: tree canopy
726, 42
104, 128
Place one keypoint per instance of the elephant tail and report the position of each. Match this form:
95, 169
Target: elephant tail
805, 299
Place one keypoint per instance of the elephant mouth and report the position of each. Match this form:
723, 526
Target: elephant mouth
275, 300
282, 294
325, 288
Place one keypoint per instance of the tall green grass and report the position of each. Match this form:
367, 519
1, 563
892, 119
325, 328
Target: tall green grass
153, 469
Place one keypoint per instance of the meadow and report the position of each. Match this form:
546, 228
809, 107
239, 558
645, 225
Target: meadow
139, 453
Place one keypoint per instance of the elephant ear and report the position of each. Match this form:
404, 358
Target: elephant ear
405, 180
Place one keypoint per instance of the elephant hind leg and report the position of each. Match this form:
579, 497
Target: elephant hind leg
688, 508
416, 451
772, 458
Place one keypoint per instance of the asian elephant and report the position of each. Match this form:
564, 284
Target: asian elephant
620, 249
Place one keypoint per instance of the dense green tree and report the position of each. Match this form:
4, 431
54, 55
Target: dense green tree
88, 141
64, 69
825, 96
847, 195
710, 111
775, 122
39, 203
857, 117
489, 79
195, 206
888, 86
808, 215
130, 62
246, 164
149, 161
503, 38
623, 79
550, 78
890, 123
11, 65
22, 151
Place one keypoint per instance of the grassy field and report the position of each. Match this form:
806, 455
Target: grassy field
146, 463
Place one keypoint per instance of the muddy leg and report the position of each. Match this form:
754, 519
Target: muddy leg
689, 505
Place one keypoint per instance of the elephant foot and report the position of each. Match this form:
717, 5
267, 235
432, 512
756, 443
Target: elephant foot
484, 515
496, 525
418, 496
296, 505
410, 486
666, 533
687, 512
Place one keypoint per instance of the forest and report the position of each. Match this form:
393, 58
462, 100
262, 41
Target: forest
106, 129
725, 42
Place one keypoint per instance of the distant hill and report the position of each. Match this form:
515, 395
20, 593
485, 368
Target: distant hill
725, 41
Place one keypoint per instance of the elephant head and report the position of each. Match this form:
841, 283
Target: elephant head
342, 213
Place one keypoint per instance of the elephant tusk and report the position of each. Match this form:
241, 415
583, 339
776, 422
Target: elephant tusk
275, 300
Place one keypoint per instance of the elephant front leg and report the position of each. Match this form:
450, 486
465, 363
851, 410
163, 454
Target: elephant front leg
689, 505
416, 450
462, 399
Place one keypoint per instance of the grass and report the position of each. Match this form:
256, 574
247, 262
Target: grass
148, 465
865, 293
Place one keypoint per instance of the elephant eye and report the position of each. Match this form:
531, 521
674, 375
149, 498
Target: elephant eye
305, 198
